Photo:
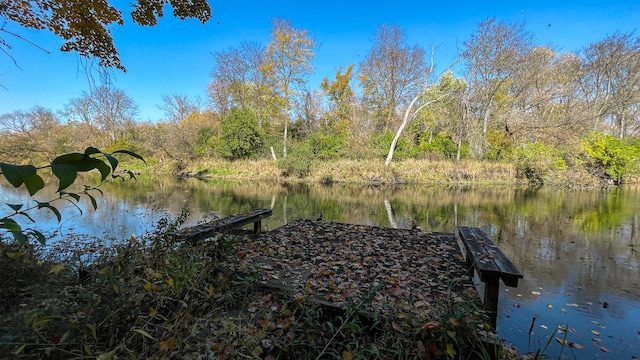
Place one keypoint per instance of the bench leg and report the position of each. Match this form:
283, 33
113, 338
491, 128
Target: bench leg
491, 292
470, 266
257, 227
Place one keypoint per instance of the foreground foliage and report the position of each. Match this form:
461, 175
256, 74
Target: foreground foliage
65, 169
153, 297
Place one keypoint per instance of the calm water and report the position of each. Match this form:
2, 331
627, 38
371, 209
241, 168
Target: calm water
579, 251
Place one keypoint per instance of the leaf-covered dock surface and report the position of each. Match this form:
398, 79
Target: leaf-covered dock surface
339, 263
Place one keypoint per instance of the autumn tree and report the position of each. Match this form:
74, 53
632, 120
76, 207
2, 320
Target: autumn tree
85, 25
288, 61
308, 112
443, 117
106, 109
542, 103
33, 136
178, 107
492, 56
611, 83
391, 74
239, 80
340, 95
428, 95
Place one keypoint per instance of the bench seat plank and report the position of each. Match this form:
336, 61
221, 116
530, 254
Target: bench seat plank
487, 258
208, 229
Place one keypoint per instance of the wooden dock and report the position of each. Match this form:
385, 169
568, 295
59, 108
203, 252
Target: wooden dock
403, 270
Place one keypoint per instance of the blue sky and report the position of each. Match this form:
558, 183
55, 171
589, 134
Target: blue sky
175, 57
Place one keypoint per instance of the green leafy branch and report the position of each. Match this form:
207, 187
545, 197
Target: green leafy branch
65, 168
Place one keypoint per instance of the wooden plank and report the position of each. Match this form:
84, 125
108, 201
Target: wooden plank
203, 231
487, 258
477, 254
509, 273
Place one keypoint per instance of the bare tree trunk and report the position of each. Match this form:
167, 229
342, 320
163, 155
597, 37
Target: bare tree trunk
405, 120
408, 116
459, 144
485, 122
284, 144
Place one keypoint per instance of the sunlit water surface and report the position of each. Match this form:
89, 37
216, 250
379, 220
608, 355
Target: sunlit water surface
579, 250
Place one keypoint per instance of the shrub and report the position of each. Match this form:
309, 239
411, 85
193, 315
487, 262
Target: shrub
500, 145
534, 161
298, 161
327, 144
405, 149
442, 145
240, 136
610, 157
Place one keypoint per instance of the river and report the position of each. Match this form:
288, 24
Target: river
579, 250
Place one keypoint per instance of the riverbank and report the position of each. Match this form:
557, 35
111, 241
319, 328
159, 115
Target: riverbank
440, 172
151, 296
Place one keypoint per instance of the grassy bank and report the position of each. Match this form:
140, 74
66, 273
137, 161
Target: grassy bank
441, 172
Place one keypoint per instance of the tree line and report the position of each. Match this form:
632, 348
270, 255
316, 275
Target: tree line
505, 98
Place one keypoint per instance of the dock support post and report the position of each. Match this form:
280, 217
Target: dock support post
491, 294
257, 227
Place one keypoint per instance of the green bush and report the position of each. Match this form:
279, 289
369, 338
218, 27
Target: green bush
500, 146
204, 142
298, 161
442, 145
534, 161
327, 144
405, 149
240, 136
610, 157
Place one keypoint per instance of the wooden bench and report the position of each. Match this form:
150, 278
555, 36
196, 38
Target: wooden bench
209, 229
490, 263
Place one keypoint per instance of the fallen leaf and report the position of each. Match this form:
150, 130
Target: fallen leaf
575, 345
430, 325
56, 269
396, 327
596, 344
168, 345
450, 350
562, 342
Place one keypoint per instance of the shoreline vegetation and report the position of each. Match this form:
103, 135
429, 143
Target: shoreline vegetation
374, 172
